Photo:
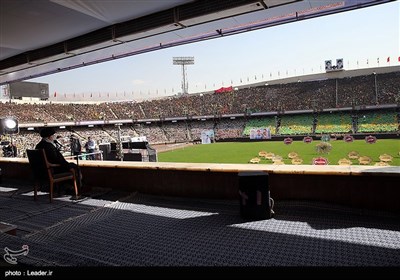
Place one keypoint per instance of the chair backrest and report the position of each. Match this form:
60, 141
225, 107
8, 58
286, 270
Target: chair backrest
38, 163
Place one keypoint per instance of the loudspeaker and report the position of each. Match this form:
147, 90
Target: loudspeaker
106, 149
112, 155
132, 157
113, 146
254, 196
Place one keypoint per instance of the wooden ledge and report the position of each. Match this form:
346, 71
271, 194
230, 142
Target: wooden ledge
340, 170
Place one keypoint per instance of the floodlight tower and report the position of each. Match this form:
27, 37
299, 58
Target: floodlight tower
186, 60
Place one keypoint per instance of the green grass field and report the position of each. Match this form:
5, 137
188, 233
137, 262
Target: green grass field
243, 152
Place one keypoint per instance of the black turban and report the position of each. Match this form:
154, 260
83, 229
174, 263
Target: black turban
47, 131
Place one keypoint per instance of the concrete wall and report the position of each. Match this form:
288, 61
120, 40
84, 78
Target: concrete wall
365, 187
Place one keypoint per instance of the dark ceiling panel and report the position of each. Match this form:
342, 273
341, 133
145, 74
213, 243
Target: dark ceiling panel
26, 24
201, 8
144, 23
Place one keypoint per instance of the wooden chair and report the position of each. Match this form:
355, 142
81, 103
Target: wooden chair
43, 172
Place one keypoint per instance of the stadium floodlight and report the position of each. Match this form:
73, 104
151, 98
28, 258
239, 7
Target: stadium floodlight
9, 125
183, 61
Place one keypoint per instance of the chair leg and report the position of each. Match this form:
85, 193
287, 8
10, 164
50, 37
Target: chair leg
51, 191
74, 180
35, 188
75, 187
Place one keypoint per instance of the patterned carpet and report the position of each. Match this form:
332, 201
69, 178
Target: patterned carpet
119, 229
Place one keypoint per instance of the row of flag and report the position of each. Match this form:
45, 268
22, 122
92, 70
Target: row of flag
91, 94
241, 81
377, 60
388, 59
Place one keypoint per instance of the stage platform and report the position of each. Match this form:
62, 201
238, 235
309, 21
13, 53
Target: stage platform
112, 228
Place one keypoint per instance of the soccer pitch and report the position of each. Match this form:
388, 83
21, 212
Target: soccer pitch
242, 152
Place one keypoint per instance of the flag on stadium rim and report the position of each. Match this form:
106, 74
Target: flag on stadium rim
388, 59
55, 94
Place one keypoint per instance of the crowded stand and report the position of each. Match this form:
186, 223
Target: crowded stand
296, 125
346, 105
377, 122
337, 122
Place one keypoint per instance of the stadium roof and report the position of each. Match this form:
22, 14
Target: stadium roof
43, 37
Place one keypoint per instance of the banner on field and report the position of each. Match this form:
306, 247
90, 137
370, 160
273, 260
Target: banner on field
207, 136
260, 133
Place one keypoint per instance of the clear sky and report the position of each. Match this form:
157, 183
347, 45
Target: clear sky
360, 37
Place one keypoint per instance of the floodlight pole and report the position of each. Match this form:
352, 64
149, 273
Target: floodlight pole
376, 89
183, 61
